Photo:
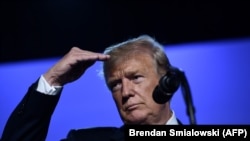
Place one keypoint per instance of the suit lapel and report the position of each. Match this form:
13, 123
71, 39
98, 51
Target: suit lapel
118, 134
179, 122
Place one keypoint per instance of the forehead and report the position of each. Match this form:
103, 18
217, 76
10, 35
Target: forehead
136, 62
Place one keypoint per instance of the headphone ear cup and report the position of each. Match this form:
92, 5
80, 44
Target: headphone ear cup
171, 81
168, 85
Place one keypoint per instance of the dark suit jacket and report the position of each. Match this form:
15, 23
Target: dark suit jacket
31, 118
96, 134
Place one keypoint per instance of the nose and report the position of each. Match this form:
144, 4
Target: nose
127, 88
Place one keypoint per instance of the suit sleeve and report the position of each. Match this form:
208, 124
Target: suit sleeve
31, 118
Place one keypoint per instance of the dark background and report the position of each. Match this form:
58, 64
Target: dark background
47, 28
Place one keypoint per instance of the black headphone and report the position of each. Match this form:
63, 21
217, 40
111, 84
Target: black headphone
168, 85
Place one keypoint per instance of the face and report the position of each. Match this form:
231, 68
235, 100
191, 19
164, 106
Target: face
132, 83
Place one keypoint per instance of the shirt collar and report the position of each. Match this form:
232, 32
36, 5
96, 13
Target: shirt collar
172, 120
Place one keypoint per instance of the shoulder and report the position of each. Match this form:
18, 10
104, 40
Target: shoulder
96, 130
94, 133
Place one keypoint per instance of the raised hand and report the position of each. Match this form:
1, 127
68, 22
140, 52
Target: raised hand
72, 66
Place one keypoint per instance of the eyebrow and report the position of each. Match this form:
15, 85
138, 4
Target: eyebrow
128, 74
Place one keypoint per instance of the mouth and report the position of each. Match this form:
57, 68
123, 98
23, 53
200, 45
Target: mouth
131, 107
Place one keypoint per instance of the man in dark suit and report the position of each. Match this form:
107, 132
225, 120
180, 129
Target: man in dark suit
132, 70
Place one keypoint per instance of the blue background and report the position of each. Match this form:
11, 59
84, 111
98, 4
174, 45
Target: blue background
218, 74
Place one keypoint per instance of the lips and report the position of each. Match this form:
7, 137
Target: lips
131, 107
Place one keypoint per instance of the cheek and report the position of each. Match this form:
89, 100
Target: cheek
146, 91
148, 87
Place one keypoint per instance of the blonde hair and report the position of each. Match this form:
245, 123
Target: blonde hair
141, 44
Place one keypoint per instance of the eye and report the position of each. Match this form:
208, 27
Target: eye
137, 78
115, 85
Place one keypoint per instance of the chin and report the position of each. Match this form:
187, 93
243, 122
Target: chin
135, 118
